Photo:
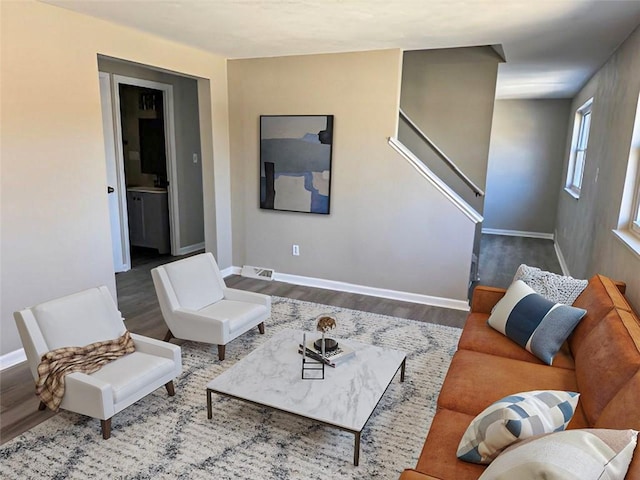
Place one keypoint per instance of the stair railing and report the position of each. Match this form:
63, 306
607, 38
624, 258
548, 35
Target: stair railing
443, 156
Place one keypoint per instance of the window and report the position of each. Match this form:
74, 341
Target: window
628, 230
579, 149
634, 226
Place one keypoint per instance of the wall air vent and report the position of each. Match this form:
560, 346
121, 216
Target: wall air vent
257, 272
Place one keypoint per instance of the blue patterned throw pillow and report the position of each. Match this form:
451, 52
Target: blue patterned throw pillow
533, 322
514, 418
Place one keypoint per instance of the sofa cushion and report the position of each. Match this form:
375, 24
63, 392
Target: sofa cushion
600, 297
475, 380
513, 418
623, 411
480, 337
608, 358
592, 454
534, 322
128, 374
438, 457
554, 287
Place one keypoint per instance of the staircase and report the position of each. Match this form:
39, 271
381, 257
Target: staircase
446, 106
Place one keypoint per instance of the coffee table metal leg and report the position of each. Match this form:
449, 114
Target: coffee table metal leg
356, 450
209, 409
402, 369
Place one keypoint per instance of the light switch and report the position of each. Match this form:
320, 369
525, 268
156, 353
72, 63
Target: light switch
195, 158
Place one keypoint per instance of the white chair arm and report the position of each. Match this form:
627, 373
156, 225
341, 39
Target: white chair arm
158, 348
201, 328
249, 297
88, 395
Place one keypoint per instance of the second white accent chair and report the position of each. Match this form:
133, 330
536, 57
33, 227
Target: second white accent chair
197, 305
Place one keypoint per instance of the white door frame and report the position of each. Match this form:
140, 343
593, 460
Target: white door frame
170, 148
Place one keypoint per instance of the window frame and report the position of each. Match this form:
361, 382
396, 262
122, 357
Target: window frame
628, 230
579, 148
634, 221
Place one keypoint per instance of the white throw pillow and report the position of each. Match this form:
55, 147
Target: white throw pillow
554, 287
589, 454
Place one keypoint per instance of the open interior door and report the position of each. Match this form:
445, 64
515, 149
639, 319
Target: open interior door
115, 190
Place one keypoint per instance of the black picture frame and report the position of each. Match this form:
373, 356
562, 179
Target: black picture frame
295, 163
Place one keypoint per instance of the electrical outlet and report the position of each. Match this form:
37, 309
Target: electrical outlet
295, 251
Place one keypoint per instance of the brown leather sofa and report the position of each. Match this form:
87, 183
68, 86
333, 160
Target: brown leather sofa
601, 360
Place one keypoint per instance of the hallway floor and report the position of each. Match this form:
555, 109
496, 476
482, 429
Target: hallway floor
501, 255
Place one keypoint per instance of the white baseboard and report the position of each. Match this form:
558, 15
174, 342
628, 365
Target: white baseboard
18, 356
363, 289
191, 248
12, 358
518, 233
230, 271
563, 263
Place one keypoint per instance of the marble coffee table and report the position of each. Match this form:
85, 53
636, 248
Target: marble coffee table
270, 376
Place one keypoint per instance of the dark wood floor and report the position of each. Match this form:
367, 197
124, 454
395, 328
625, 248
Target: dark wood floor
139, 306
500, 257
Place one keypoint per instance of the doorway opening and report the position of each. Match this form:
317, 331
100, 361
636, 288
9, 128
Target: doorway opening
151, 124
144, 150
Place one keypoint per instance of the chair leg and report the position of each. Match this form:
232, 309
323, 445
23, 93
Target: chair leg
221, 352
106, 428
261, 328
42, 406
168, 336
170, 388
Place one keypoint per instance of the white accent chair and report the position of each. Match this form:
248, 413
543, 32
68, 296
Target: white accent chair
84, 318
197, 305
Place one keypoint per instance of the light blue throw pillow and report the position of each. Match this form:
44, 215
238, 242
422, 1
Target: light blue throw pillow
533, 322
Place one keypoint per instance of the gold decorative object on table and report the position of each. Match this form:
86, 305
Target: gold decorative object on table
325, 323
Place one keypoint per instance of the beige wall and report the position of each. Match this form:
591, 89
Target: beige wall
55, 222
525, 164
388, 227
584, 225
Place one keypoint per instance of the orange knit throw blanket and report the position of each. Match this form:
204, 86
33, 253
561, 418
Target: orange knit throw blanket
57, 363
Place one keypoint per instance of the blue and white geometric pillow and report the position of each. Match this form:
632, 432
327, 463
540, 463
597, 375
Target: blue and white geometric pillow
533, 322
515, 418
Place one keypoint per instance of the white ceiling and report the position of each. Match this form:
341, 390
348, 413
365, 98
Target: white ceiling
552, 46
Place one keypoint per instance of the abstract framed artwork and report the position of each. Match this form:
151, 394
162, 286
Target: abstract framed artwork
295, 162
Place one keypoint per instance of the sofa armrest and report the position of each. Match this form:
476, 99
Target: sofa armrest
249, 297
621, 286
158, 348
200, 328
485, 298
411, 474
88, 395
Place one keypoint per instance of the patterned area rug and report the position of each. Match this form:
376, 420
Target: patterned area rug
170, 437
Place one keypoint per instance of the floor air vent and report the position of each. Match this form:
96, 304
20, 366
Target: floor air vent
257, 272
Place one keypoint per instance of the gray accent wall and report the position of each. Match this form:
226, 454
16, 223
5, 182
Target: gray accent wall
187, 128
584, 226
388, 227
525, 164
449, 94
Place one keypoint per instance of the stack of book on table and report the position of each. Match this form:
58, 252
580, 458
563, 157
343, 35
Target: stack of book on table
336, 357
